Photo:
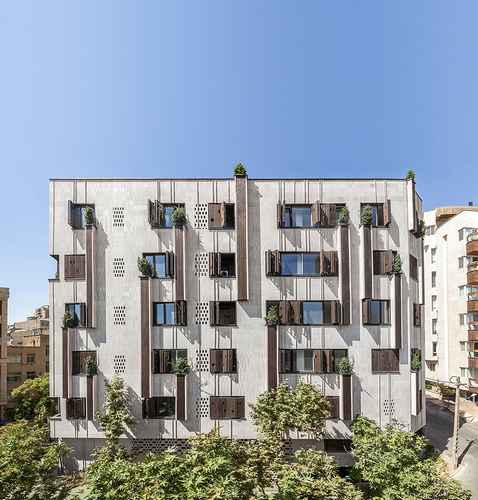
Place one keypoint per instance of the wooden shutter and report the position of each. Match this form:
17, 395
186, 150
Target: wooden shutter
284, 312
329, 263
416, 315
315, 214
276, 262
181, 313
155, 213
295, 309
335, 312
332, 214
213, 313
385, 312
69, 268
365, 311
328, 361
387, 213
280, 214
70, 213
334, 402
75, 363
215, 216
376, 365
240, 407
215, 361
169, 264
82, 314
388, 257
268, 263
285, 361
155, 361
215, 407
165, 358
318, 361
229, 360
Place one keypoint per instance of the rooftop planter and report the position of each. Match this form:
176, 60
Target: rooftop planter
144, 267
240, 170
410, 176
89, 217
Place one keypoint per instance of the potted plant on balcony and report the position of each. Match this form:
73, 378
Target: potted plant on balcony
89, 216
91, 367
416, 361
181, 367
179, 217
240, 170
343, 216
69, 321
410, 176
345, 366
273, 316
144, 267
366, 216
397, 265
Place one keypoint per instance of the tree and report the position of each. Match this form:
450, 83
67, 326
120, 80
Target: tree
28, 462
280, 410
399, 464
32, 399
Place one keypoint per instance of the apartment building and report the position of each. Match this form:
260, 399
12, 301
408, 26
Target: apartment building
4, 294
451, 284
248, 245
27, 349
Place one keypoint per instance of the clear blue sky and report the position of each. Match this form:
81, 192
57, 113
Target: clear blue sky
173, 88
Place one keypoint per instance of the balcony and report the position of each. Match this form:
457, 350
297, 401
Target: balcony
473, 302
472, 363
472, 273
472, 243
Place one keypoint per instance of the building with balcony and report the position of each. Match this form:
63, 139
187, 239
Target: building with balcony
335, 284
451, 301
27, 349
4, 294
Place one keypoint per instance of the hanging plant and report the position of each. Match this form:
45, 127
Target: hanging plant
179, 217
397, 264
366, 217
89, 216
181, 366
343, 216
91, 367
345, 366
410, 176
240, 170
69, 321
273, 316
144, 267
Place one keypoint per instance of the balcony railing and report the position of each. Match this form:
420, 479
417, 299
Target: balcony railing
473, 266
473, 325
472, 236
473, 296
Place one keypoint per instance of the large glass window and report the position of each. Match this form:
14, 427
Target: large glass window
168, 215
300, 264
297, 216
75, 312
164, 313
376, 312
158, 264
305, 361
313, 313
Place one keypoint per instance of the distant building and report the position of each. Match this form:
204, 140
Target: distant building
451, 294
27, 351
4, 293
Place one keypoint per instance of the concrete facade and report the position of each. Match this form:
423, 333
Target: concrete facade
122, 233
4, 294
447, 268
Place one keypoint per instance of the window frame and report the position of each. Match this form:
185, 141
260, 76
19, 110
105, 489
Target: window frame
155, 313
287, 211
154, 255
171, 405
174, 355
367, 303
300, 255
379, 211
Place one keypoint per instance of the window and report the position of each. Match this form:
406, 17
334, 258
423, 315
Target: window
383, 261
14, 358
170, 313
221, 216
159, 407
79, 360
164, 359
464, 372
417, 315
222, 360
338, 445
434, 348
461, 262
377, 213
433, 255
463, 346
160, 215
464, 232
222, 313
462, 290
30, 358
75, 408
375, 312
77, 311
75, 267
301, 263
385, 360
434, 279
320, 312
222, 265
434, 325
296, 216
413, 268
462, 317
76, 214
162, 264
310, 360
434, 302
31, 375
430, 230
226, 407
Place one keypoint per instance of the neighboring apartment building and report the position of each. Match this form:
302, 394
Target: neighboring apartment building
451, 284
248, 244
4, 294
28, 349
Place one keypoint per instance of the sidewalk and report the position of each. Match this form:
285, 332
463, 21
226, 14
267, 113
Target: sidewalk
468, 410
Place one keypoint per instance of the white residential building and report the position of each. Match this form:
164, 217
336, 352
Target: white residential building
248, 244
451, 285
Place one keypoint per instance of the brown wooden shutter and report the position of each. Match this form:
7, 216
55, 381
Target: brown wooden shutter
335, 312
213, 313
285, 361
169, 261
75, 363
215, 361
181, 313
214, 407
240, 407
332, 215
215, 216
280, 214
387, 213
229, 360
334, 402
315, 214
80, 266
376, 366
69, 268
276, 260
165, 359
365, 311
318, 361
416, 315
223, 214
82, 314
329, 360
387, 262
322, 215
295, 308
70, 213
284, 312
268, 263
323, 263
155, 361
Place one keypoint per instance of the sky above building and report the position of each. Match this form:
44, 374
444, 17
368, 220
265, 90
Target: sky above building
190, 88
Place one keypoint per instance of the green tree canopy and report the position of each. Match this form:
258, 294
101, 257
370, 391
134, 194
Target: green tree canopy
32, 399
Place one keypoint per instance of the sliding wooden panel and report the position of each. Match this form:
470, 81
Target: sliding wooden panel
90, 236
66, 370
347, 397
241, 231
272, 356
180, 397
398, 310
145, 343
179, 251
367, 261
89, 398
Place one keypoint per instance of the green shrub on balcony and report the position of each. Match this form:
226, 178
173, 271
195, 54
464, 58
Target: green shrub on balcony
273, 316
144, 267
416, 361
179, 217
410, 176
69, 321
89, 216
91, 367
397, 265
181, 366
366, 217
345, 366
343, 216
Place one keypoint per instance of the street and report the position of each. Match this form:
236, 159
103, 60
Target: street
439, 431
